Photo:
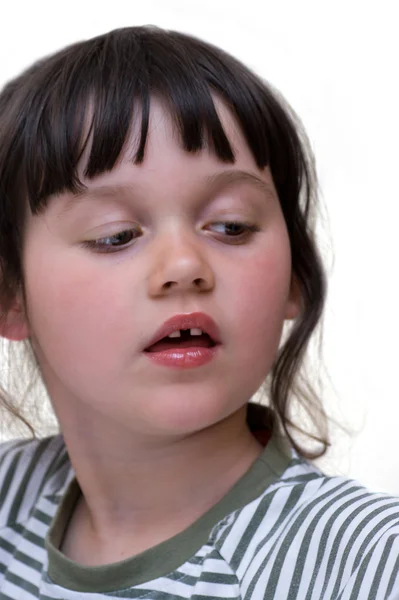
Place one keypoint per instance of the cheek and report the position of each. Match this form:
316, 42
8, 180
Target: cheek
68, 301
260, 302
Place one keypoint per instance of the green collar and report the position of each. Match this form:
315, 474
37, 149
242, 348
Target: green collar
167, 556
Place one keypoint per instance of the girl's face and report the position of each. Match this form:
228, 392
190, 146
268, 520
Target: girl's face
91, 313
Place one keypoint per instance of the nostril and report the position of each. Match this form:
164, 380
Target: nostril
197, 282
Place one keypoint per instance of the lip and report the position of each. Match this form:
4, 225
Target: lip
186, 358
197, 320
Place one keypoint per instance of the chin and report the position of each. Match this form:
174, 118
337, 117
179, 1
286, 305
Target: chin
187, 413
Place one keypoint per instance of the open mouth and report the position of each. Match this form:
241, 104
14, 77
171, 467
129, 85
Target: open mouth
185, 340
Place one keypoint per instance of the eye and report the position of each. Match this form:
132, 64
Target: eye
236, 229
112, 243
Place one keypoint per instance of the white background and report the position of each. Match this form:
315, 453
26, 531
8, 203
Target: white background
337, 64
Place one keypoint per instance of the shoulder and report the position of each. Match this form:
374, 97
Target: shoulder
310, 535
29, 468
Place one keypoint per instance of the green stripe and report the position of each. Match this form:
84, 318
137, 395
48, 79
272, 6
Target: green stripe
3, 568
62, 458
355, 534
290, 539
365, 561
28, 561
380, 569
6, 597
289, 503
377, 527
7, 546
253, 525
141, 593
334, 549
323, 544
219, 578
34, 538
23, 533
196, 597
43, 517
53, 466
19, 497
8, 479
251, 528
360, 576
305, 478
306, 541
23, 584
394, 577
8, 447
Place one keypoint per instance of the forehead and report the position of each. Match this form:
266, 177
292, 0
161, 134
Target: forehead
168, 168
164, 140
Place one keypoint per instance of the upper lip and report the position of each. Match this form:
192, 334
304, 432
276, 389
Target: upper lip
195, 320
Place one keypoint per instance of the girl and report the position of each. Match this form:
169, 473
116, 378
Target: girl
156, 234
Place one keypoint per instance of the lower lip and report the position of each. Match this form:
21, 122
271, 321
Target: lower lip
186, 358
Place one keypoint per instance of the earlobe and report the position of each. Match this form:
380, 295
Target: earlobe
13, 323
294, 302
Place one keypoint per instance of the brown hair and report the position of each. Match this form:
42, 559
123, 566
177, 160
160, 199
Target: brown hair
42, 113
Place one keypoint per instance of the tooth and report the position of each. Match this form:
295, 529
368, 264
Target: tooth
196, 331
175, 334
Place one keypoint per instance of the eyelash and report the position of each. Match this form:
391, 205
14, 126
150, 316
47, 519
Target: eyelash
101, 248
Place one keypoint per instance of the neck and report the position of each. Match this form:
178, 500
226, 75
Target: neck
150, 493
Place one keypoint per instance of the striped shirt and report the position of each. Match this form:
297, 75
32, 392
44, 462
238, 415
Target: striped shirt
284, 531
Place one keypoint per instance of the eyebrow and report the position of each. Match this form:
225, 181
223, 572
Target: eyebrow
217, 180
238, 176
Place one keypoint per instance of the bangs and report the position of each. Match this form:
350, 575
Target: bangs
91, 92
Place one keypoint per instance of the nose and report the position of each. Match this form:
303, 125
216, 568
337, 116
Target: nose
179, 265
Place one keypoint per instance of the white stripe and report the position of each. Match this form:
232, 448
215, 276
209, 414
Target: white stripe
9, 589
339, 518
348, 535
25, 572
271, 517
216, 590
38, 527
390, 561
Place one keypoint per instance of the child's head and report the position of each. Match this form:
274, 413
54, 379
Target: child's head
122, 162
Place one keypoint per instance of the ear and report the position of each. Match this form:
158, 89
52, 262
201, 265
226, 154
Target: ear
294, 301
14, 323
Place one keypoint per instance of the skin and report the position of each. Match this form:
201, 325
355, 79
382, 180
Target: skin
134, 430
